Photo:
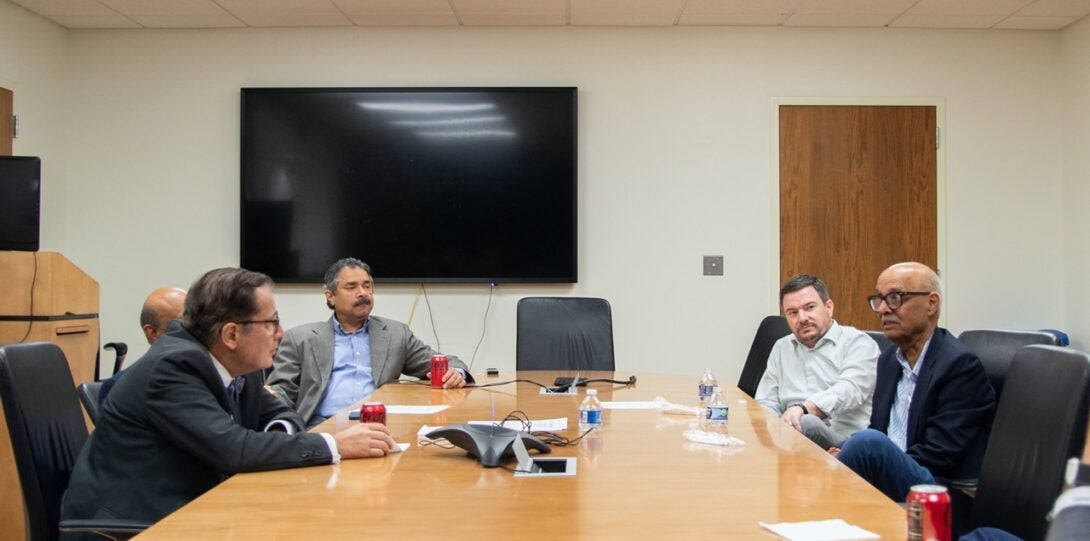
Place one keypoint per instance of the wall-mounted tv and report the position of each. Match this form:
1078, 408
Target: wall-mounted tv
20, 197
424, 184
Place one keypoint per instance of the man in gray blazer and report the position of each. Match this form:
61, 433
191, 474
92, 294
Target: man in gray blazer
193, 411
322, 368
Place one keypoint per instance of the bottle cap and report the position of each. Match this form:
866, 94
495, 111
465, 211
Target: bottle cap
592, 392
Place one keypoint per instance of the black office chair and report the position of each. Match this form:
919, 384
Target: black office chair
996, 349
1040, 423
47, 432
879, 338
772, 328
88, 396
564, 333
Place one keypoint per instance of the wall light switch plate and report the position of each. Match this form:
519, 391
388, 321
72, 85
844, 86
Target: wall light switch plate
713, 265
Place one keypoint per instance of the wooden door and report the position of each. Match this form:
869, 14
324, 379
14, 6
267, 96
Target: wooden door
858, 189
6, 111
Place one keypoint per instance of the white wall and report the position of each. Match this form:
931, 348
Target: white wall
1075, 47
673, 163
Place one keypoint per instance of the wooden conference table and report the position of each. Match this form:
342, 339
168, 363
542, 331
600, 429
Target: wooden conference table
639, 479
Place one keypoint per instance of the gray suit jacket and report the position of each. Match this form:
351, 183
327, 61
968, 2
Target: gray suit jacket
305, 360
168, 433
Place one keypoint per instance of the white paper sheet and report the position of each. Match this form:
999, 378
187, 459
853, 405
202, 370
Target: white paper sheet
551, 425
631, 405
395, 409
819, 530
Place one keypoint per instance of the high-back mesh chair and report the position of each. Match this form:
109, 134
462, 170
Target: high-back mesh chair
1040, 423
47, 431
772, 328
996, 349
564, 333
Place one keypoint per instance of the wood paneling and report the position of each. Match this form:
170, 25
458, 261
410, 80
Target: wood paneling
858, 192
7, 109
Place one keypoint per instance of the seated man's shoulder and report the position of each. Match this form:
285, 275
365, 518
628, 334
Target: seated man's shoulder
306, 329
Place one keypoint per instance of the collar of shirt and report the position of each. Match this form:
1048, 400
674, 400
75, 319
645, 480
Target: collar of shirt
225, 376
915, 371
832, 336
338, 329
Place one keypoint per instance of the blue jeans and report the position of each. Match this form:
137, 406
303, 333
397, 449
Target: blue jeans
874, 457
988, 534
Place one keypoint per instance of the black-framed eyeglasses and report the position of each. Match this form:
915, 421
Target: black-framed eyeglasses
274, 321
893, 299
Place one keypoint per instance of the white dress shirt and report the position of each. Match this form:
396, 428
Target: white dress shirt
837, 375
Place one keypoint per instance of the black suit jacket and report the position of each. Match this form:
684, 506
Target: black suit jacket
950, 416
168, 433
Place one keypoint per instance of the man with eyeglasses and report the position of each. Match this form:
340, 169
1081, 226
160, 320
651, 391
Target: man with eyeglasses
194, 411
933, 405
820, 377
324, 367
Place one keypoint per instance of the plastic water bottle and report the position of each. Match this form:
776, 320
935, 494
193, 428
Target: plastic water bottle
716, 412
707, 385
590, 411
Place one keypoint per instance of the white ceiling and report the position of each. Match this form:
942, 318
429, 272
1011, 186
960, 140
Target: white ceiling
999, 14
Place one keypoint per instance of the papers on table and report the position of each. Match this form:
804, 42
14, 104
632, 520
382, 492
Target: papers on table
538, 425
819, 530
396, 409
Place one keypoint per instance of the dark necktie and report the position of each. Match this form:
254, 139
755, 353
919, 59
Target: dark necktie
234, 389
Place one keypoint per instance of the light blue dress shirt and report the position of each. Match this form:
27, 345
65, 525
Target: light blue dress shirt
351, 378
898, 416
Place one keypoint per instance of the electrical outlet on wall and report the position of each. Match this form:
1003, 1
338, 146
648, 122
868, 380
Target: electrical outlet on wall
713, 265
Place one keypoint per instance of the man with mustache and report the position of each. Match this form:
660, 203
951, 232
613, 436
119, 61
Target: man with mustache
933, 405
820, 377
322, 368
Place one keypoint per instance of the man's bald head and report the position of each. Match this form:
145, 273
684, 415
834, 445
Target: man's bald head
161, 306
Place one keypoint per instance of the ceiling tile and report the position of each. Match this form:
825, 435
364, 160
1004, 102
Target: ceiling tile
188, 21
737, 12
1035, 23
854, 7
1057, 8
286, 12
625, 12
973, 8
49, 8
94, 21
398, 12
839, 20
511, 12
946, 21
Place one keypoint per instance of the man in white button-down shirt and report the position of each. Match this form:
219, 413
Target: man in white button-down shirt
820, 378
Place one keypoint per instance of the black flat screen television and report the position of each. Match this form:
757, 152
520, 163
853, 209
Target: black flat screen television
424, 184
20, 202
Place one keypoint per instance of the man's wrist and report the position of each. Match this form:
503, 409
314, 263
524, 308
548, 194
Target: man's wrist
805, 411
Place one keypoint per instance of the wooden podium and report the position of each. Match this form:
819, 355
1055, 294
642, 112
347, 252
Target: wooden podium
43, 297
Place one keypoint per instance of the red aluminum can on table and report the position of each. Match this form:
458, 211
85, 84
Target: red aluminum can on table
928, 509
373, 412
438, 369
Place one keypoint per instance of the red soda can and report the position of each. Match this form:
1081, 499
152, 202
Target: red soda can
373, 412
928, 509
438, 370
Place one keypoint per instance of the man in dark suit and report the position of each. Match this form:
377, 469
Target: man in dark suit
194, 411
933, 405
324, 367
162, 306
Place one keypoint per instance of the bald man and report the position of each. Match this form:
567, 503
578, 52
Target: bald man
162, 306
933, 405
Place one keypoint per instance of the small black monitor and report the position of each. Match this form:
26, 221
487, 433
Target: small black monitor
20, 202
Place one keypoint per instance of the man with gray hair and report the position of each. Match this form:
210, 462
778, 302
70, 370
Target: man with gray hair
322, 368
820, 377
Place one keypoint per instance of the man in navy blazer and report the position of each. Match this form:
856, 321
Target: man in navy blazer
933, 405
